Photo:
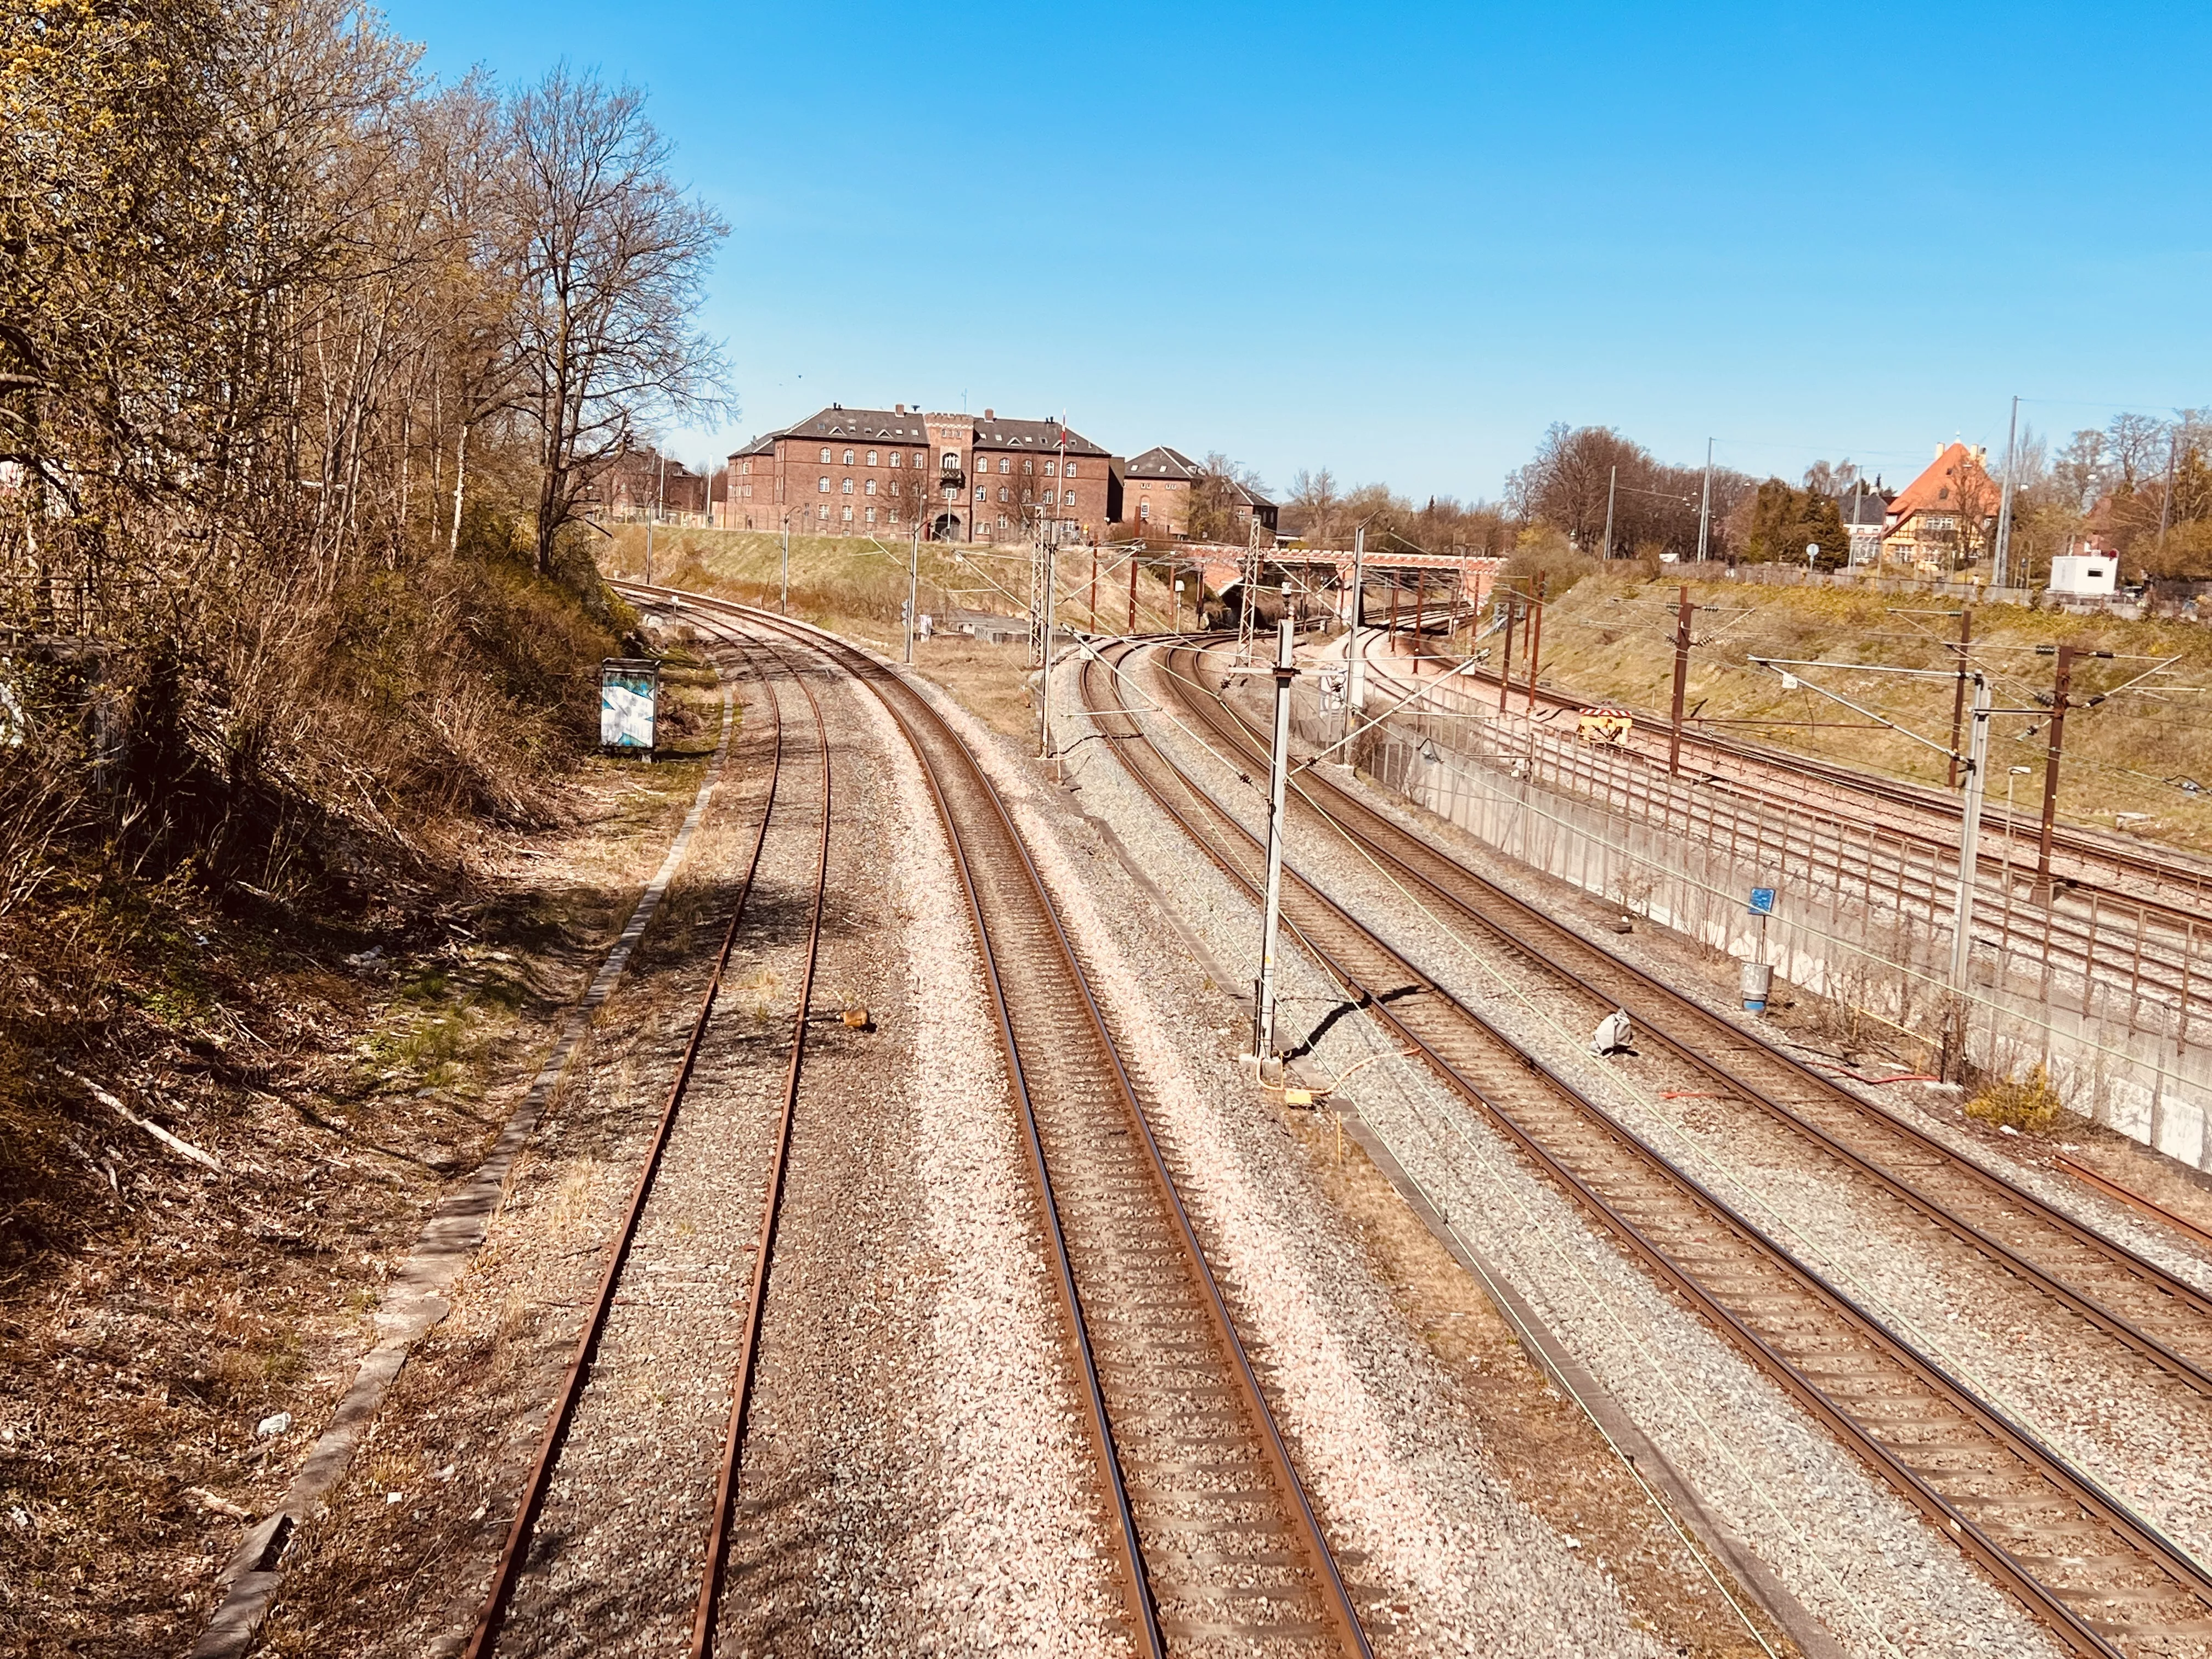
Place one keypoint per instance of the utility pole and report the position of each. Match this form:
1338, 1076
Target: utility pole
913, 592
660, 495
1612, 481
2004, 559
1044, 674
1535, 640
1355, 673
1970, 834
2060, 685
1133, 589
1705, 503
783, 598
1263, 1011
1094, 584
1505, 658
1681, 680
1959, 695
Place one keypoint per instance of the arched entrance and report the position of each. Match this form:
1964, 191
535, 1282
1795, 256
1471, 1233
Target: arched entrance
947, 528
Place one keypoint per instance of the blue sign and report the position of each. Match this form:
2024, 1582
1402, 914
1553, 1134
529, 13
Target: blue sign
1762, 901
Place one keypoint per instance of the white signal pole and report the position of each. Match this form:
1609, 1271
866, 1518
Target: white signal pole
1706, 503
1355, 674
913, 587
1263, 1013
1044, 673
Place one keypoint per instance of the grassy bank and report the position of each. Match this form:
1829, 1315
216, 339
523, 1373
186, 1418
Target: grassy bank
2132, 754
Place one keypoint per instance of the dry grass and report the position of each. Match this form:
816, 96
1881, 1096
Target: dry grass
2028, 1104
1611, 638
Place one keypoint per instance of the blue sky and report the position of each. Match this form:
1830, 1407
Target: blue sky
1399, 244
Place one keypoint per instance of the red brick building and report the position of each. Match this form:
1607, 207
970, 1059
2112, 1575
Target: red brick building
1156, 494
870, 471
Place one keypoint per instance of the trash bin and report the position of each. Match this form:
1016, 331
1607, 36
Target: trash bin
1758, 981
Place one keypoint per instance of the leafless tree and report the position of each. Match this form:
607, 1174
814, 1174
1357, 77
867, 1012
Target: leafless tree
612, 262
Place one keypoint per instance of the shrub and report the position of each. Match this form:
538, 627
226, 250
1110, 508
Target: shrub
2030, 1104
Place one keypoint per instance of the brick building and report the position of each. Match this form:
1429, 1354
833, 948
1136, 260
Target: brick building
643, 483
1156, 496
870, 471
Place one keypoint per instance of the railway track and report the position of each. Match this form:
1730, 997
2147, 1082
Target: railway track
2103, 1581
1218, 1549
2161, 1317
511, 1575
2182, 891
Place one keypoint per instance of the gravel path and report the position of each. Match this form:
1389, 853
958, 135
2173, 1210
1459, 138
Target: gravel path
1839, 1542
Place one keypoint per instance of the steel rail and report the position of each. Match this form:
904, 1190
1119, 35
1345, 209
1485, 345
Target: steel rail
924, 728
1898, 792
484, 1638
2186, 1579
1401, 851
725, 1485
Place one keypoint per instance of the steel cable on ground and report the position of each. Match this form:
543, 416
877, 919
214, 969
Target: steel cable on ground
2087, 1307
1902, 1321
2144, 1538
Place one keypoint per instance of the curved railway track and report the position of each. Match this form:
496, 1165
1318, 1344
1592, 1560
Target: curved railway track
2103, 1580
1219, 1548
2165, 873
514, 1562
2163, 1317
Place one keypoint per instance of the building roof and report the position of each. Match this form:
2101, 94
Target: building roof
992, 433
870, 425
1863, 507
763, 445
1161, 462
1955, 475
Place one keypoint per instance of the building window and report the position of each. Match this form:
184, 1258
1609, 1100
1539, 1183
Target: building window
1071, 498
952, 492
1025, 495
822, 513
849, 458
826, 486
1069, 469
951, 461
981, 493
872, 515
1005, 464
918, 461
1002, 521
1047, 470
1144, 510
1144, 486
895, 458
825, 454
749, 466
1028, 465
846, 487
871, 457
872, 486
1002, 493
848, 515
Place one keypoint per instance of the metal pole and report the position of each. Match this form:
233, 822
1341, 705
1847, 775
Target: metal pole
1263, 1013
1535, 644
1706, 503
1958, 692
1612, 479
1970, 839
1505, 658
2004, 559
1044, 673
2057, 729
1355, 676
783, 599
1133, 589
1681, 681
913, 592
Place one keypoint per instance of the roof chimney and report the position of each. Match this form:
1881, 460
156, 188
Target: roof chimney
990, 414
899, 409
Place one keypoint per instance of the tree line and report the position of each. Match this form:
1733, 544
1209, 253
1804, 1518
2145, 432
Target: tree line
307, 363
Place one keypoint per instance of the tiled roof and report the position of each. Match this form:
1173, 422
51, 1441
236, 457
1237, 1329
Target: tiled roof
1939, 489
1161, 462
869, 425
763, 445
1037, 435
1863, 508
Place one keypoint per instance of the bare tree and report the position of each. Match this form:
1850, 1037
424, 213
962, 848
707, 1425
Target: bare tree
613, 261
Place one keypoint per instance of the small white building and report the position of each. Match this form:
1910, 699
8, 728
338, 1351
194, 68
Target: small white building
2085, 575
